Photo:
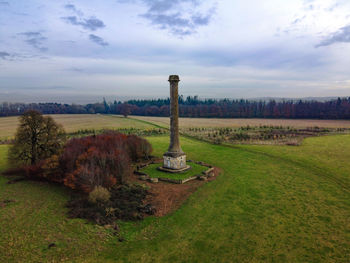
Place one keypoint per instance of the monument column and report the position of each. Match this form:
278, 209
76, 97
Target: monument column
174, 158
174, 146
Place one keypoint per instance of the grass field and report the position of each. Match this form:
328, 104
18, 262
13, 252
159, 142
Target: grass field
73, 123
38, 218
204, 122
271, 203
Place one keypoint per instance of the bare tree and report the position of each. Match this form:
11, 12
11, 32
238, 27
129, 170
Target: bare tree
125, 109
37, 138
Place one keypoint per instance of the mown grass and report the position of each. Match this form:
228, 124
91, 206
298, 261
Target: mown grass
270, 204
153, 172
259, 209
325, 156
37, 218
3, 155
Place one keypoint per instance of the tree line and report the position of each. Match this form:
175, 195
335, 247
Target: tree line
192, 106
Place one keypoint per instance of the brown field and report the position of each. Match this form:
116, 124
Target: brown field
234, 123
75, 122
72, 123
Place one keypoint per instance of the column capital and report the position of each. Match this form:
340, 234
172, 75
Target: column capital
174, 78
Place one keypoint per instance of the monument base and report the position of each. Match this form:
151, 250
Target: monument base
174, 164
160, 168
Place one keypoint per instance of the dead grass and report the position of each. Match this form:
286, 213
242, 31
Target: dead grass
75, 122
204, 122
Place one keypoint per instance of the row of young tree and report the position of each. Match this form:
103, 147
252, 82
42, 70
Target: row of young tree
195, 107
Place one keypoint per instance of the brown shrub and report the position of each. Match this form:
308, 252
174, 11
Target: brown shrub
138, 148
85, 163
102, 160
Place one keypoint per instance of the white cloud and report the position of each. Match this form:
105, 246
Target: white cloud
247, 49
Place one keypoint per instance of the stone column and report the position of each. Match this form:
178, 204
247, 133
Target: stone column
174, 158
174, 147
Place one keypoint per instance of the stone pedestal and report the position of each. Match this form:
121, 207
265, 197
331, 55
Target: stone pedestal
178, 162
174, 164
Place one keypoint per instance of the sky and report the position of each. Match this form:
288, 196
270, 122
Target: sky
81, 51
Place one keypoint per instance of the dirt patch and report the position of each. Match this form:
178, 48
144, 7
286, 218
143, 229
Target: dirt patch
167, 197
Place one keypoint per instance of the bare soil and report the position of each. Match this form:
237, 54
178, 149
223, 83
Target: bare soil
168, 197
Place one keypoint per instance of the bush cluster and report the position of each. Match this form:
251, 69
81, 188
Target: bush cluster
102, 160
85, 163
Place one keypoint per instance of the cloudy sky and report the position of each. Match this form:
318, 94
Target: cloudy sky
79, 51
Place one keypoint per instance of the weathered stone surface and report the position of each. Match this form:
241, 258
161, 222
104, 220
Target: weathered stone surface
174, 149
189, 179
153, 180
202, 178
177, 181
209, 171
175, 163
167, 170
212, 174
174, 158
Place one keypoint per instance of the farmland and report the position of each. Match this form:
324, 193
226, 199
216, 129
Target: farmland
270, 203
235, 123
73, 123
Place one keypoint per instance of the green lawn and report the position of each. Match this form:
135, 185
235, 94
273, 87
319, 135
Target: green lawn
3, 154
153, 172
270, 204
38, 218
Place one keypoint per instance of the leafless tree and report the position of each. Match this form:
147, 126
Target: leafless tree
38, 137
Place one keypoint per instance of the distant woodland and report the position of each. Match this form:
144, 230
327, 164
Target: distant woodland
195, 107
